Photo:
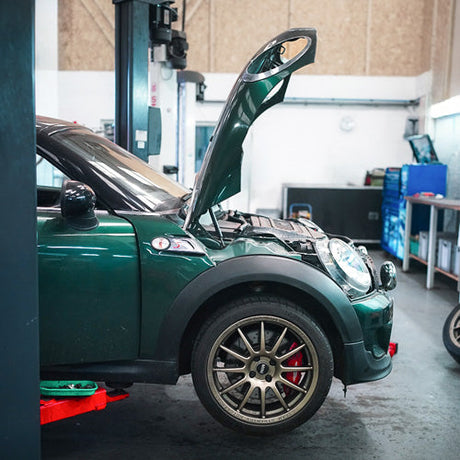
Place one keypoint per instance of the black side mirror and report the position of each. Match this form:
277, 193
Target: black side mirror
78, 201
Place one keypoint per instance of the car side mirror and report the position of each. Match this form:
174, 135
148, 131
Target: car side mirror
78, 202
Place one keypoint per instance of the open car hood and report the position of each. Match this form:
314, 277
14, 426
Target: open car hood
261, 84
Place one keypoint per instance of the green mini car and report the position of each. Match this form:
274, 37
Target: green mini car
142, 280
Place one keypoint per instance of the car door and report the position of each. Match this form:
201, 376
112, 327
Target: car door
89, 283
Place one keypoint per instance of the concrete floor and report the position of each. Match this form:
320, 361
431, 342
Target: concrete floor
414, 413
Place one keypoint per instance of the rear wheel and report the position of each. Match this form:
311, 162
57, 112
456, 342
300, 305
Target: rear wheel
262, 365
451, 333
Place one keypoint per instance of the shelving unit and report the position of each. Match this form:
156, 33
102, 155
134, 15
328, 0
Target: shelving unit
436, 269
435, 205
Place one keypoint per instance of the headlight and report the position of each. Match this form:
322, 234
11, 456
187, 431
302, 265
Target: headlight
345, 266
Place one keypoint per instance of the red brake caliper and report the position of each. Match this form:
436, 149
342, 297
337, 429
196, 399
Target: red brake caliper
293, 361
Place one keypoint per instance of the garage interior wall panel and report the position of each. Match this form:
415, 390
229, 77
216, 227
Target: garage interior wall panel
441, 50
198, 30
363, 37
86, 35
454, 84
396, 37
86, 97
46, 57
240, 27
447, 145
341, 34
427, 35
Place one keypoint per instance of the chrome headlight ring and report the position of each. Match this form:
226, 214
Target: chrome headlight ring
345, 266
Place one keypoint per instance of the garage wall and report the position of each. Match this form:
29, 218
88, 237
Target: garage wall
454, 88
292, 142
86, 97
304, 143
443, 15
86, 34
372, 49
46, 56
313, 149
447, 145
356, 37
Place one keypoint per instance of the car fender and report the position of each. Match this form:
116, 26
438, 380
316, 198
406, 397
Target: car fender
262, 268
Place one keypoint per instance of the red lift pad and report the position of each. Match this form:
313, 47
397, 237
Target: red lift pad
393, 348
55, 409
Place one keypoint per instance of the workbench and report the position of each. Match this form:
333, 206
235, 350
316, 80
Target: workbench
435, 205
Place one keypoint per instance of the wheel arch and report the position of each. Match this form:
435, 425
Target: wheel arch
295, 295
301, 283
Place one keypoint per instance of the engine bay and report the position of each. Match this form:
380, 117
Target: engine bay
298, 234
301, 236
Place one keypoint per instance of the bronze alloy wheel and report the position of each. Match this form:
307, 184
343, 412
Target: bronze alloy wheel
264, 370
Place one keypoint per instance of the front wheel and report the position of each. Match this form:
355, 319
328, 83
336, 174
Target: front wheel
262, 366
451, 333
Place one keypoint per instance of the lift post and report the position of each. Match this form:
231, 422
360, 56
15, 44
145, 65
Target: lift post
19, 351
131, 74
142, 29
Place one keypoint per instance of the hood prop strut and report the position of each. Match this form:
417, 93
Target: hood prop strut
216, 226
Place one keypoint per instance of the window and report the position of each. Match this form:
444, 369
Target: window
203, 136
49, 182
47, 174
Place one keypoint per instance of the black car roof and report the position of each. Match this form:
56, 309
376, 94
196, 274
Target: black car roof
49, 126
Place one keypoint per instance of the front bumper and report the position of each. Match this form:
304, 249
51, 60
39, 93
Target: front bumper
368, 359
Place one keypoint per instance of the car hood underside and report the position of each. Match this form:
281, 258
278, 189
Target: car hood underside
261, 84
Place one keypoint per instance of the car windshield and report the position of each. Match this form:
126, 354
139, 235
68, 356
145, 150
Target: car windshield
156, 190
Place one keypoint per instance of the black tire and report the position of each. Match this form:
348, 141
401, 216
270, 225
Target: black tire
282, 380
451, 333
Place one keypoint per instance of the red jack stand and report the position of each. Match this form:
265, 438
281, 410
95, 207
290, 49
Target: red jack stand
55, 409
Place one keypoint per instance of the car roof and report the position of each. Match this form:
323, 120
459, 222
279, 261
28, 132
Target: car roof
49, 126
